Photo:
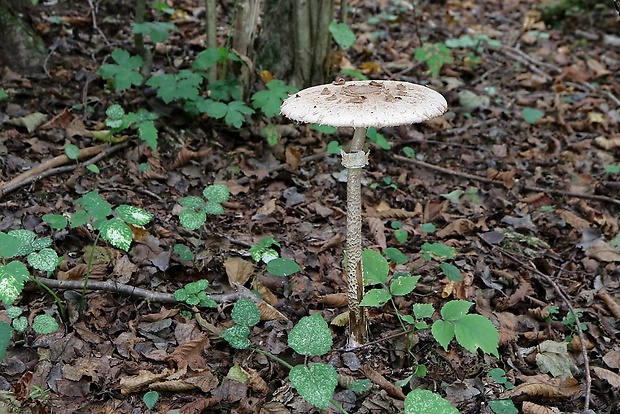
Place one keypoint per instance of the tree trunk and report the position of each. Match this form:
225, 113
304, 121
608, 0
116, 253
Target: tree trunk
20, 48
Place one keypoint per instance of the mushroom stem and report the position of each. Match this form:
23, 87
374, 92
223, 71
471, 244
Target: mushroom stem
354, 161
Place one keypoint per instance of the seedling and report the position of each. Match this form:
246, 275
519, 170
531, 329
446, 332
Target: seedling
197, 208
117, 120
40, 394
157, 31
267, 251
435, 55
184, 85
150, 398
194, 294
400, 234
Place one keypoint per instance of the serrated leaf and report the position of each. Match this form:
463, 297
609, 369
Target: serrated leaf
218, 193
192, 202
422, 310
270, 100
180, 295
133, 215
9, 245
376, 268
13, 311
12, 278
148, 133
311, 336
452, 272
79, 218
158, 31
403, 285
443, 332
376, 297
420, 401
476, 331
45, 260
150, 398
26, 238
42, 243
44, 324
245, 312
213, 209
191, 219
316, 383
396, 255
95, 205
117, 233
455, 309
237, 336
282, 266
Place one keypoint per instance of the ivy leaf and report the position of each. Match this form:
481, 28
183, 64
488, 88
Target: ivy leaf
316, 383
311, 336
270, 99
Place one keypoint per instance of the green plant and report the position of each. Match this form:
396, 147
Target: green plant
194, 294
378, 139
40, 394
387, 183
183, 85
125, 72
570, 322
400, 233
532, 115
441, 252
3, 94
265, 251
435, 55
41, 324
315, 382
342, 34
157, 31
270, 99
150, 398
197, 208
117, 120
612, 169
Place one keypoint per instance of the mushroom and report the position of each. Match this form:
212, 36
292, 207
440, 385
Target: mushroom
361, 104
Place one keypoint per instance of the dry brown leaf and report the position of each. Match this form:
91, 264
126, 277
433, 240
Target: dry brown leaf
573, 219
603, 252
238, 270
267, 295
612, 359
189, 353
161, 315
256, 382
274, 407
518, 295
378, 230
506, 177
543, 387
334, 300
392, 390
97, 271
141, 381
531, 408
458, 227
204, 380
392, 214
269, 313
611, 377
607, 143
200, 405
293, 157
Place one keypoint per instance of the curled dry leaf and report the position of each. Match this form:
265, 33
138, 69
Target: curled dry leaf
607, 143
543, 387
238, 270
611, 377
612, 359
574, 220
141, 381
458, 227
189, 353
603, 252
185, 156
256, 382
269, 313
531, 408
334, 300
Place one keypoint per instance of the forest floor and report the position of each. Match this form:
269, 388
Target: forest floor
519, 176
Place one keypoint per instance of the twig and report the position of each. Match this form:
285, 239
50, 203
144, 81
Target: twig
50, 167
501, 183
93, 13
532, 268
152, 296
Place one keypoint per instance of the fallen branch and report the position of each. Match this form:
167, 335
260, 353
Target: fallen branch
128, 290
501, 183
56, 166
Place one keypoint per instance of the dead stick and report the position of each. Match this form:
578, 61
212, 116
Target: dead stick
501, 183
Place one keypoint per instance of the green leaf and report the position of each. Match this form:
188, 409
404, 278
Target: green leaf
378, 139
150, 398
316, 383
191, 219
354, 73
499, 376
79, 218
92, 168
9, 245
124, 73
360, 386
376, 297
218, 193
184, 85
376, 268
403, 285
6, 333
409, 152
324, 129
183, 251
72, 151
45, 260
343, 35
41, 243
3, 95
531, 115
56, 221
282, 267
476, 331
44, 324
245, 312
158, 31
401, 235
334, 148
452, 272
192, 202
237, 336
148, 133
612, 169
117, 233
95, 205
438, 251
443, 332
311, 336
435, 55
455, 310
26, 239
13, 311
181, 295
270, 99
454, 196
133, 215
423, 310
20, 324
395, 255
420, 401
206, 59
12, 278
503, 407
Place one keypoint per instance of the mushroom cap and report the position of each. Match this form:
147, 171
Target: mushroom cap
364, 104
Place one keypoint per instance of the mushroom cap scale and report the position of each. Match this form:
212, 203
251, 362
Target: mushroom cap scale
364, 104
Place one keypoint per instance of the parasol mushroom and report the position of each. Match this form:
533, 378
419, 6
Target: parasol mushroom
361, 104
